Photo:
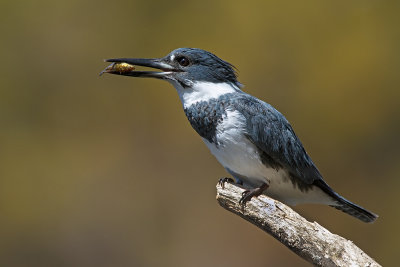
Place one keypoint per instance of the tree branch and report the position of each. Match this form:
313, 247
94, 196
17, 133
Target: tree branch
309, 240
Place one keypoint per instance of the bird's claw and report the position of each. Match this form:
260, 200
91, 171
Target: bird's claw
248, 194
224, 180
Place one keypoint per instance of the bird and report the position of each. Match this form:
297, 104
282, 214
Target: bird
252, 140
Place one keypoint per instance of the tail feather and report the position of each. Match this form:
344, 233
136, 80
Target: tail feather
355, 210
346, 206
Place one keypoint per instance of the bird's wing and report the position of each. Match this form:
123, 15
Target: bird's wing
269, 130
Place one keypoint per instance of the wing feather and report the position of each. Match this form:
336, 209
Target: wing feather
269, 130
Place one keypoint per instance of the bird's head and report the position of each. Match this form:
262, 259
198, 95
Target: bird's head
197, 75
183, 66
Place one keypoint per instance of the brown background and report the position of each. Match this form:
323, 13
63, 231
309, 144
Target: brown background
107, 171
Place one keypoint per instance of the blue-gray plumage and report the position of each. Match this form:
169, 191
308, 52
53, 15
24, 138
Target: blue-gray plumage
252, 140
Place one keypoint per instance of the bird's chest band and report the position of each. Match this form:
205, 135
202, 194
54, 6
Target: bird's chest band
205, 118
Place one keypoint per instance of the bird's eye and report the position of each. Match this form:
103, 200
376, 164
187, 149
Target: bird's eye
183, 61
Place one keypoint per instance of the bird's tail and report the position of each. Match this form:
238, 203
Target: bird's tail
346, 206
354, 210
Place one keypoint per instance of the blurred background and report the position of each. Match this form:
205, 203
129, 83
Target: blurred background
106, 171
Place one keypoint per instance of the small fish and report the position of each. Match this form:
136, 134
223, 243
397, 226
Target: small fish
118, 67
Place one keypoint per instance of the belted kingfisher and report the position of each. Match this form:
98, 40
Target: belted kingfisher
252, 140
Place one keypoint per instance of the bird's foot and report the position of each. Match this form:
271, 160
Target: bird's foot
224, 180
248, 194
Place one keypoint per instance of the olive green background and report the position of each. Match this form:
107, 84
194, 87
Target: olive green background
106, 171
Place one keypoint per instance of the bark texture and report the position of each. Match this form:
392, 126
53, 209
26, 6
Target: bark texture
307, 239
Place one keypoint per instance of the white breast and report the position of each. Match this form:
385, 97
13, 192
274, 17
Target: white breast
237, 153
234, 150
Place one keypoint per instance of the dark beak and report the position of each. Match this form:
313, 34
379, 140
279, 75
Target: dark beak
128, 70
